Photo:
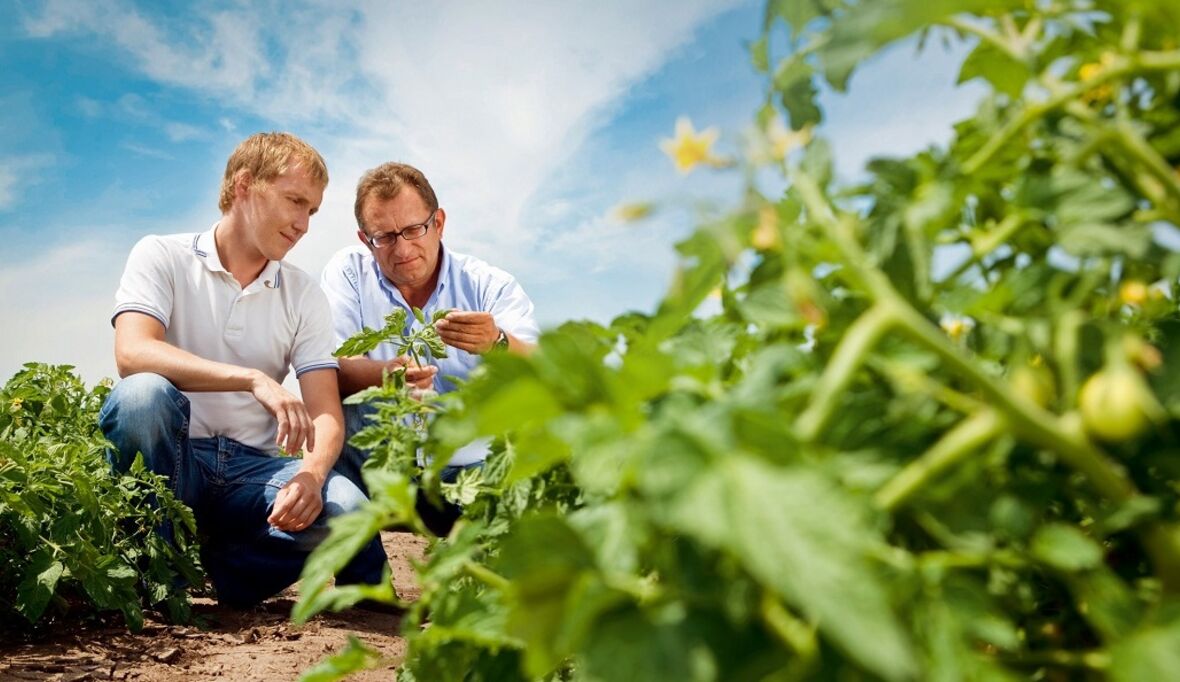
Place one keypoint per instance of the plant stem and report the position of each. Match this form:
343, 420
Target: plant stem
1090, 660
850, 354
1121, 68
486, 576
966, 438
797, 635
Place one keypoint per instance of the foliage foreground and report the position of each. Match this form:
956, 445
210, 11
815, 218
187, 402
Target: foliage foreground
930, 434
73, 536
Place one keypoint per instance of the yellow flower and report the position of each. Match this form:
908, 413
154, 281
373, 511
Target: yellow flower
765, 235
783, 141
690, 148
632, 212
1133, 293
16, 403
955, 327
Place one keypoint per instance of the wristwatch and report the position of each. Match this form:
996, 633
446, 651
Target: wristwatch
501, 341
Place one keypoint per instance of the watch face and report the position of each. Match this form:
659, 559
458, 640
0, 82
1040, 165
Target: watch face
502, 340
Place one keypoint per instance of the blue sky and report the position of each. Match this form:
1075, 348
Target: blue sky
533, 120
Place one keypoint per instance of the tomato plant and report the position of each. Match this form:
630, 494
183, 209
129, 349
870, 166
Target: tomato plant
73, 536
849, 471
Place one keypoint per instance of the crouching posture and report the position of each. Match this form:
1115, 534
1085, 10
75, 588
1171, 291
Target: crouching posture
207, 326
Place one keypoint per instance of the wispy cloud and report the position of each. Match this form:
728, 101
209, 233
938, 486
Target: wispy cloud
488, 118
17, 173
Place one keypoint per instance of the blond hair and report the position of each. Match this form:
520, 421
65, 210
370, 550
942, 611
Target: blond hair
386, 180
265, 156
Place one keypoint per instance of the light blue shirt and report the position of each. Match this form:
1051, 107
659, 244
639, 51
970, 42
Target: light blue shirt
360, 296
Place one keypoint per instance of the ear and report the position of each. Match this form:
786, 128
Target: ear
243, 181
440, 221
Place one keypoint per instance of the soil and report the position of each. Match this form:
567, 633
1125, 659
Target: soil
223, 644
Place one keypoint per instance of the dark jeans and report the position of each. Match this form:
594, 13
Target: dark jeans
231, 489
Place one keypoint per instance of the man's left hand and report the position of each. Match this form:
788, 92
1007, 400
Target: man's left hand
298, 503
474, 332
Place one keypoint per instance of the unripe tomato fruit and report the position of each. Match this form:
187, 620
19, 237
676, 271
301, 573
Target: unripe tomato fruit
1112, 404
1034, 383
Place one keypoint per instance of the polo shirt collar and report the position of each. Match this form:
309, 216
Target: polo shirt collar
205, 249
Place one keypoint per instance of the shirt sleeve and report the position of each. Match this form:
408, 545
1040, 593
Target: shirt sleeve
148, 283
513, 312
339, 284
313, 339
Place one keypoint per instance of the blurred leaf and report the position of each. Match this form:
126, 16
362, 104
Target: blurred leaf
1065, 548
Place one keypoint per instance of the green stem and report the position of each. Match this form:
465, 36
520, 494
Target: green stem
1090, 660
797, 635
1069, 327
850, 354
971, 559
486, 576
1144, 62
961, 441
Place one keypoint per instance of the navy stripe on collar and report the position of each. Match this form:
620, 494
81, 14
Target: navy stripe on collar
197, 251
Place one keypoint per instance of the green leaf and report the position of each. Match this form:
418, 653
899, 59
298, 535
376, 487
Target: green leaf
439, 314
797, 92
354, 657
766, 516
1150, 654
997, 67
37, 587
419, 315
1065, 548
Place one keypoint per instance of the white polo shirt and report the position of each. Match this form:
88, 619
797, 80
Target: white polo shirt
281, 320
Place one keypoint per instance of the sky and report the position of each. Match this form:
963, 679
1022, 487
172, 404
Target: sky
533, 121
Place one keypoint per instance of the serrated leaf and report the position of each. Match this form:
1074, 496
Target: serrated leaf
766, 517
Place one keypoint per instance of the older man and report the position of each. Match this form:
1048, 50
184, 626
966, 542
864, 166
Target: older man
207, 325
401, 262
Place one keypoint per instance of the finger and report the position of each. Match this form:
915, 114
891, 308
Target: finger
298, 428
279, 510
467, 316
281, 434
309, 514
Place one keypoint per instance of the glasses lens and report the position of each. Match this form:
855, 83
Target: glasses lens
414, 231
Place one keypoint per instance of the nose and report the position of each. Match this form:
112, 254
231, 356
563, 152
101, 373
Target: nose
303, 223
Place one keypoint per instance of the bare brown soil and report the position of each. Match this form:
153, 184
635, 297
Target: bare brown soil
222, 644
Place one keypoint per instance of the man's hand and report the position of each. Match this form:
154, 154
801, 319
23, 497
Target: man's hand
474, 332
295, 427
418, 376
298, 503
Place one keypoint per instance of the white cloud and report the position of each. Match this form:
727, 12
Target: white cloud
487, 98
17, 173
182, 132
66, 324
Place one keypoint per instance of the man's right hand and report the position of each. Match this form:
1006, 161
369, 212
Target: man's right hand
418, 376
295, 426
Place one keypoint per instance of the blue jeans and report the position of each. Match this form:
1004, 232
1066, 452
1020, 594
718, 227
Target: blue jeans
437, 520
231, 489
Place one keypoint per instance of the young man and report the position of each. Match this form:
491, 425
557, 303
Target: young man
402, 262
207, 326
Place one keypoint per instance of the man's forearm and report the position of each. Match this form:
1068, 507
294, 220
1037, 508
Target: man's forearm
519, 346
358, 373
329, 439
186, 371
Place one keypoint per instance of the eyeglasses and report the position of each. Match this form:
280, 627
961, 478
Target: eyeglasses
384, 239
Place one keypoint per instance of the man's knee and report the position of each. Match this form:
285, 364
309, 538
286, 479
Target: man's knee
142, 411
341, 496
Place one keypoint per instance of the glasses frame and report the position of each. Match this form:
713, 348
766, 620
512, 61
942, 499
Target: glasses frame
425, 225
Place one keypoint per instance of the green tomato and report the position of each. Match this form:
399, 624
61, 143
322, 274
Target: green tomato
1034, 383
1113, 404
